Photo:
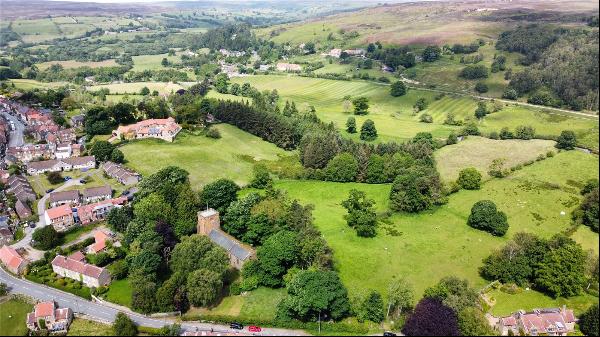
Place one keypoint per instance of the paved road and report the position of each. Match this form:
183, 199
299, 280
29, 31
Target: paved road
107, 313
15, 137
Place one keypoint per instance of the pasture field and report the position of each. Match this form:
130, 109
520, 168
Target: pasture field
206, 159
479, 152
77, 64
152, 62
135, 87
428, 246
13, 314
394, 117
25, 84
84, 327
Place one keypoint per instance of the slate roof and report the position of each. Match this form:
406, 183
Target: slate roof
229, 244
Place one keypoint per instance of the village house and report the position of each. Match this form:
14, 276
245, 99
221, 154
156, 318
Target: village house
18, 186
95, 194
29, 152
336, 52
281, 66
78, 270
4, 175
548, 322
98, 211
65, 164
64, 198
23, 210
354, 52
231, 53
165, 129
77, 121
6, 234
12, 260
122, 174
61, 218
57, 320
209, 224
101, 238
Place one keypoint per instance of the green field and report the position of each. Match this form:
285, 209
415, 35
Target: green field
13, 314
232, 156
394, 117
77, 64
479, 152
437, 243
152, 62
24, 84
259, 304
84, 327
119, 293
135, 87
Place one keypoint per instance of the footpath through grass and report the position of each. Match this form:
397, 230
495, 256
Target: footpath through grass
428, 246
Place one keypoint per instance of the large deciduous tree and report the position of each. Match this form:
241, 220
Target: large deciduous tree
431, 318
485, 216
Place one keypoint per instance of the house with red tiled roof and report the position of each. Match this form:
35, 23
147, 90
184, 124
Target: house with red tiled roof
90, 275
61, 217
165, 129
548, 322
101, 238
98, 211
57, 320
12, 260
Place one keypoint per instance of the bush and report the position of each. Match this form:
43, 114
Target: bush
426, 118
510, 94
469, 179
342, 168
398, 89
473, 72
481, 87
54, 178
566, 141
213, 133
524, 132
485, 216
368, 132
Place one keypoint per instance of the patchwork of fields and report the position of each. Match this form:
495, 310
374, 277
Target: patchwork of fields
428, 246
394, 116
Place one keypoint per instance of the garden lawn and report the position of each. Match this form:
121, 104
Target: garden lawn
529, 300
206, 159
436, 243
119, 292
394, 117
84, 327
259, 304
479, 152
13, 314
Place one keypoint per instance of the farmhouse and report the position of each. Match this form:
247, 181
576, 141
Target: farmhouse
551, 322
64, 198
57, 320
122, 174
209, 225
78, 270
354, 52
336, 52
61, 217
165, 129
288, 67
12, 260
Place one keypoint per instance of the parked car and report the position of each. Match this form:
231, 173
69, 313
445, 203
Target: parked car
67, 178
49, 190
389, 333
32, 224
254, 328
236, 326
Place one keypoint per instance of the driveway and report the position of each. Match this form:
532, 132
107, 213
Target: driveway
107, 313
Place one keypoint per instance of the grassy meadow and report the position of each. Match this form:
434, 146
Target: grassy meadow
428, 246
394, 116
232, 156
84, 327
479, 152
13, 314
135, 87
